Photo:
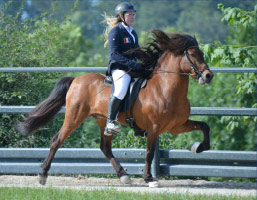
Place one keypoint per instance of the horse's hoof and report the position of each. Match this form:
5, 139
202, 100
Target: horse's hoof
195, 146
125, 180
42, 179
153, 184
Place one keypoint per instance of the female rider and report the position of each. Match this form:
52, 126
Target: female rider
121, 38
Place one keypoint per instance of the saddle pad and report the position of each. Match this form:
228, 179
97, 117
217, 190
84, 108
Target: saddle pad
134, 88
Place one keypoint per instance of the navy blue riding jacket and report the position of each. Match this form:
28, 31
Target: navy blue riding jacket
121, 41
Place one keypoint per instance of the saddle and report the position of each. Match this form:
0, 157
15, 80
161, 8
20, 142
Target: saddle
126, 105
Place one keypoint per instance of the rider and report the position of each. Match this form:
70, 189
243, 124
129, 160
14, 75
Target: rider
121, 38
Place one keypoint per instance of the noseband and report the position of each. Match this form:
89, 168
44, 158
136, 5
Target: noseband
198, 73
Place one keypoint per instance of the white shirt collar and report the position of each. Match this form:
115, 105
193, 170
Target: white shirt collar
128, 28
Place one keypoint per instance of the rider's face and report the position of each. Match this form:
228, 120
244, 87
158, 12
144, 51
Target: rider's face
129, 17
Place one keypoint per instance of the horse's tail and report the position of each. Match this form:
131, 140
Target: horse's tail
46, 110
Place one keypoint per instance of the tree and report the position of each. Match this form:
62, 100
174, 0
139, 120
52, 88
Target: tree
208, 28
39, 42
239, 50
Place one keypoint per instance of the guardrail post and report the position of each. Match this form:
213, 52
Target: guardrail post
156, 161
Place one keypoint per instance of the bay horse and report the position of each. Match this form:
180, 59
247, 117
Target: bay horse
161, 106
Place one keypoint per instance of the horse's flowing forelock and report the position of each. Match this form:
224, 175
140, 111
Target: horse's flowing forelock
174, 42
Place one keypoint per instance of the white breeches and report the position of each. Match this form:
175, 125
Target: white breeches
121, 82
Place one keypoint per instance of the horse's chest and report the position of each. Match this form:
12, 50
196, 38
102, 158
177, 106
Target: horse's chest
171, 107
164, 110
174, 112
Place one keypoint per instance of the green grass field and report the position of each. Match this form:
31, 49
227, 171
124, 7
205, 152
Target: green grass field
15, 193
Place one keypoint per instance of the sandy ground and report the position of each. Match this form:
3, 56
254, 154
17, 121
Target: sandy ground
138, 185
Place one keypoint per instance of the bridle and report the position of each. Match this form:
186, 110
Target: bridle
197, 72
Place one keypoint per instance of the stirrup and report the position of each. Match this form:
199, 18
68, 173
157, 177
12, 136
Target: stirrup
109, 131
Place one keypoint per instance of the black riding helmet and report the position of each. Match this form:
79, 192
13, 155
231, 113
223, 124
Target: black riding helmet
122, 8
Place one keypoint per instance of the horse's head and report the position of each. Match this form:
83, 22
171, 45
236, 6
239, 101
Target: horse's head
192, 58
181, 46
193, 62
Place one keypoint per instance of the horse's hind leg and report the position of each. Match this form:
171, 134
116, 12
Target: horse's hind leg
47, 162
195, 125
57, 141
72, 121
106, 148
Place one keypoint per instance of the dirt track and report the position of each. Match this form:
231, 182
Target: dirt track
170, 186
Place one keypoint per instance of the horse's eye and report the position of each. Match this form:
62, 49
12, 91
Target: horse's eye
193, 55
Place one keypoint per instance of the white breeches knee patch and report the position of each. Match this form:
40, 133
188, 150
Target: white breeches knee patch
121, 80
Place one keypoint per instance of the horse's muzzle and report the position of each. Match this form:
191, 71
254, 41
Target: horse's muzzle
206, 77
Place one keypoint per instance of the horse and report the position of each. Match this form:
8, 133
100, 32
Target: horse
162, 106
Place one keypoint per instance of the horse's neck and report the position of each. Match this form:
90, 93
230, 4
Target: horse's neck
169, 62
168, 76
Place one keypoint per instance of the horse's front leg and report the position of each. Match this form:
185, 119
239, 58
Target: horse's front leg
191, 125
151, 144
106, 148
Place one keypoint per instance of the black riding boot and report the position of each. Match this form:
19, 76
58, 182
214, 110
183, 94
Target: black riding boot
113, 111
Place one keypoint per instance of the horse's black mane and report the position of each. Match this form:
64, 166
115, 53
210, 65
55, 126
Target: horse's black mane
174, 42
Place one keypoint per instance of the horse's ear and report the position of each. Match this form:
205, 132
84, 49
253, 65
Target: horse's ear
196, 43
161, 39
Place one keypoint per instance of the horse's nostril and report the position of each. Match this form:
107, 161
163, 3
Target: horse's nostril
208, 76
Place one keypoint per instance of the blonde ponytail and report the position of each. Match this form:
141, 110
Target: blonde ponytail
110, 22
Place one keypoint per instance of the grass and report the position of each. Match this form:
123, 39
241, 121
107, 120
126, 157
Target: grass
16, 193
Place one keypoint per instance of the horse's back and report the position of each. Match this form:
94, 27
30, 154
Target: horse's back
89, 78
87, 81
88, 91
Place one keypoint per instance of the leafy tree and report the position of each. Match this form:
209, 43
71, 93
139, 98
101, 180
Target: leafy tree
236, 133
193, 17
75, 45
38, 42
191, 20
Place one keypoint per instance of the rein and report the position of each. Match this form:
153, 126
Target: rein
168, 72
198, 73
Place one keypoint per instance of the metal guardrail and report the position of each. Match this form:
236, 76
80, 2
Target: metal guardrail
217, 111
166, 162
103, 69
53, 69
92, 161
